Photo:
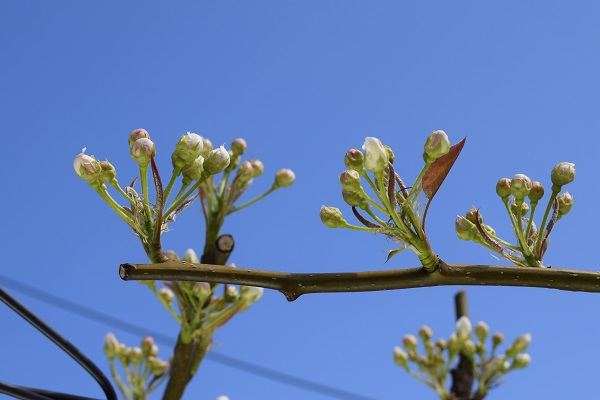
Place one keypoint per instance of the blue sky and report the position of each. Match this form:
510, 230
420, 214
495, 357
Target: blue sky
302, 82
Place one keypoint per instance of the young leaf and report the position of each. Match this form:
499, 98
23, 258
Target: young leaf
437, 172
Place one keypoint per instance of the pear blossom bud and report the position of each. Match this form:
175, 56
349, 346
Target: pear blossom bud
495, 365
563, 173
524, 208
350, 179
257, 168
503, 188
191, 257
390, 153
354, 199
473, 214
135, 355
441, 344
189, 147
520, 186
465, 229
207, 147
284, 178
332, 217
519, 345
171, 255
167, 295
250, 294
452, 344
565, 202
497, 339
376, 156
245, 173
137, 134
536, 192
193, 172
354, 160
425, 333
521, 361
468, 348
410, 343
111, 346
436, 146
202, 290
147, 344
86, 167
142, 151
157, 366
482, 330
400, 357
463, 328
238, 146
217, 161
231, 294
108, 172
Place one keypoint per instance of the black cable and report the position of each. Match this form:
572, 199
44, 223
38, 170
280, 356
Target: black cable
62, 343
161, 338
35, 393
21, 393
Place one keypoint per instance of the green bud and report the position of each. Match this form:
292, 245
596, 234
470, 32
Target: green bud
436, 146
191, 257
354, 160
284, 178
207, 147
563, 173
147, 344
111, 346
465, 229
238, 146
108, 172
520, 186
137, 134
202, 290
231, 294
400, 357
497, 339
390, 153
482, 330
193, 171
142, 151
410, 343
521, 361
472, 215
217, 161
519, 345
536, 192
135, 355
503, 188
86, 167
441, 344
250, 294
350, 179
332, 217
376, 156
468, 348
354, 198
257, 168
524, 208
425, 333
157, 366
565, 203
189, 147
244, 174
167, 295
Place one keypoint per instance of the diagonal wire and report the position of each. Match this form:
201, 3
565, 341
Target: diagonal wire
219, 358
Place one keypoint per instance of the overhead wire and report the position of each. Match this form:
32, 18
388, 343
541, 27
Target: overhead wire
214, 356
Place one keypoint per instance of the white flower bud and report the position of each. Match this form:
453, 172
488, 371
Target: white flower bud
142, 151
86, 167
463, 328
376, 156
216, 161
284, 178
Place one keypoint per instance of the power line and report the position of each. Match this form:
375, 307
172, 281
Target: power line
139, 330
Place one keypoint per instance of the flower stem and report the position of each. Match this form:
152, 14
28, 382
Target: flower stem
254, 200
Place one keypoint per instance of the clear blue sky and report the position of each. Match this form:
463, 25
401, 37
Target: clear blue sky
302, 82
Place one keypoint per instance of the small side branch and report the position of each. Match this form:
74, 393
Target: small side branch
293, 285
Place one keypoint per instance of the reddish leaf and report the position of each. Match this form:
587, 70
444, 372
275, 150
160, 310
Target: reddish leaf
437, 172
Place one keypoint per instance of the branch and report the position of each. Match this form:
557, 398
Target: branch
294, 285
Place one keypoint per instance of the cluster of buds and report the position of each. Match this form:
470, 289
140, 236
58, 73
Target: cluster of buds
394, 211
434, 364
521, 196
144, 370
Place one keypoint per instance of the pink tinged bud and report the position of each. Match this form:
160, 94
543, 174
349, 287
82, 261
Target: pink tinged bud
520, 186
332, 217
497, 339
503, 188
111, 346
563, 173
350, 180
354, 160
536, 192
137, 134
463, 328
136, 355
147, 344
354, 199
194, 171
473, 214
202, 290
376, 156
521, 361
142, 151
238, 146
400, 357
86, 167
257, 168
565, 203
191, 257
410, 343
425, 333
245, 173
465, 229
482, 330
217, 161
284, 178
437, 145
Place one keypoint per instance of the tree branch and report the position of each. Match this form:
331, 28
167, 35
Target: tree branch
293, 285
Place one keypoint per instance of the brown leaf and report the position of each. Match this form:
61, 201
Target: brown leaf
437, 172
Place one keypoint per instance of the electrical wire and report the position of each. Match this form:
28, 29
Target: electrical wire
214, 356
62, 343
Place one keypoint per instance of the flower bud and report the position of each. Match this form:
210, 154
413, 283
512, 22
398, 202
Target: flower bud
189, 147
493, 366
563, 173
468, 348
503, 188
524, 208
207, 147
497, 339
354, 159
244, 174
400, 357
390, 153
425, 333
157, 366
191, 257
193, 171
452, 344
238, 146
86, 167
520, 186
482, 330
463, 328
108, 172
147, 344
250, 294
565, 203
410, 343
519, 345
473, 214
536, 192
111, 346
167, 295
521, 361
376, 156
465, 229
332, 217
135, 355
171, 255
257, 168
231, 294
137, 134
354, 199
350, 179
284, 178
202, 290
217, 161
441, 344
436, 146
142, 151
